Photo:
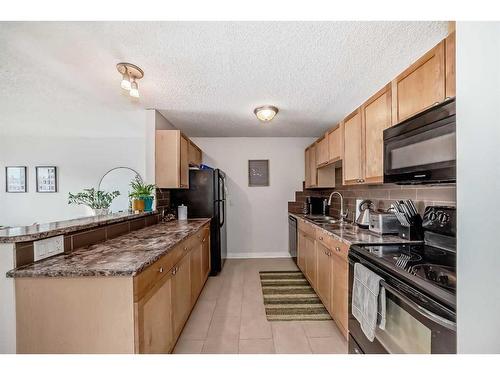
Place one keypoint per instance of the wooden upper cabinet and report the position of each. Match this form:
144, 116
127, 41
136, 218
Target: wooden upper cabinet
376, 116
335, 144
322, 156
173, 154
194, 154
184, 165
310, 166
352, 160
420, 86
450, 65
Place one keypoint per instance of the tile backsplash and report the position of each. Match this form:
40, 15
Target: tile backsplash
381, 195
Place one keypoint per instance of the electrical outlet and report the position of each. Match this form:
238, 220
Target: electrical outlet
48, 247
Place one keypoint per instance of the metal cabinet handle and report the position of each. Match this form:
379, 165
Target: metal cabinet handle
203, 240
174, 271
160, 270
321, 238
424, 312
337, 248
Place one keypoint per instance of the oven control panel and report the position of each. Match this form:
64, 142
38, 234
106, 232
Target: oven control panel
440, 219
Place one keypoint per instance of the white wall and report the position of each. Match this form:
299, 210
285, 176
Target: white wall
81, 162
257, 221
478, 186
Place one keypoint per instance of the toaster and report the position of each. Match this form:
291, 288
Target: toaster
384, 223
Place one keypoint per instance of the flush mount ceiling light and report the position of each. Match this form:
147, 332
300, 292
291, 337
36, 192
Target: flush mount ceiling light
130, 74
265, 113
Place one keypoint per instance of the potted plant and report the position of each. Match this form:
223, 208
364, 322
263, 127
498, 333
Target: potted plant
98, 200
142, 195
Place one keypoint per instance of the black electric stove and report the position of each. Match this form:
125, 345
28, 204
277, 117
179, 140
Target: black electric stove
420, 277
427, 268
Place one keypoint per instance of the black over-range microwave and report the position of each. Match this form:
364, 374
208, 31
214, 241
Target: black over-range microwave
422, 149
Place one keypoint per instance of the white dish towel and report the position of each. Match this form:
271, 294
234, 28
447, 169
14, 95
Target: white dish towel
368, 300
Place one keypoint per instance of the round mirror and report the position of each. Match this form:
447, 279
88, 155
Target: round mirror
119, 179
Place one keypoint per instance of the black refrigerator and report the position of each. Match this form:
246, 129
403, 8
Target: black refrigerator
206, 197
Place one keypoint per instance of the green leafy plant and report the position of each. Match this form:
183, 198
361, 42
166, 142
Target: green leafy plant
95, 199
140, 189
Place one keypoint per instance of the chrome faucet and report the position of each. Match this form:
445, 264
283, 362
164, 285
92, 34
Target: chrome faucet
342, 214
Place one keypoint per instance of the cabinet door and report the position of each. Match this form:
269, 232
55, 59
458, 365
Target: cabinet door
196, 271
352, 149
322, 151
194, 154
205, 256
421, 85
154, 319
339, 307
334, 145
184, 162
450, 65
167, 154
181, 293
307, 166
377, 117
312, 166
324, 284
311, 259
301, 252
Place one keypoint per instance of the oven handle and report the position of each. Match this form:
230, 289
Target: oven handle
428, 314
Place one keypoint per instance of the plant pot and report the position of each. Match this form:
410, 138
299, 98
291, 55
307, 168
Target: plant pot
100, 211
148, 203
137, 205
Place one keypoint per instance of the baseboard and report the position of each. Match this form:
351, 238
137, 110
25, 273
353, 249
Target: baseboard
266, 254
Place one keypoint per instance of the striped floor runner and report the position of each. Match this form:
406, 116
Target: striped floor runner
288, 296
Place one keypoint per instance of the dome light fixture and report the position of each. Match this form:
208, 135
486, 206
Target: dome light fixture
265, 113
130, 74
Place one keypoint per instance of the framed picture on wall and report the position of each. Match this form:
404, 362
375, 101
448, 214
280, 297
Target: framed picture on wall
46, 179
258, 173
15, 180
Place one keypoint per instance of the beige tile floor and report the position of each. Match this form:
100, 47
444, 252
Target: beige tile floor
229, 317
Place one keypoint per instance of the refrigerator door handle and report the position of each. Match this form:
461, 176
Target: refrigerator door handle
223, 209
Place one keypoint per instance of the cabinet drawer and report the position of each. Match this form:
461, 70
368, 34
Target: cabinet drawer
337, 247
307, 228
326, 240
341, 249
155, 272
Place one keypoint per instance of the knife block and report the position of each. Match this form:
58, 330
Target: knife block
414, 231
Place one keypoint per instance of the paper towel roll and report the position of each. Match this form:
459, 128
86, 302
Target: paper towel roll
182, 212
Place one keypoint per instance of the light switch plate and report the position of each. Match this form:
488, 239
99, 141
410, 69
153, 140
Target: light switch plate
48, 247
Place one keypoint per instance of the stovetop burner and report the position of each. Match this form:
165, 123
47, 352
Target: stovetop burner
441, 275
432, 264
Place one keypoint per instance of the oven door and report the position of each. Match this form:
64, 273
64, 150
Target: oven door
415, 324
422, 150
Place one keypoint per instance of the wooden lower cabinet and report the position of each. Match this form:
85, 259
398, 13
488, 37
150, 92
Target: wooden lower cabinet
323, 260
301, 251
154, 319
311, 266
196, 272
181, 294
121, 315
324, 283
340, 292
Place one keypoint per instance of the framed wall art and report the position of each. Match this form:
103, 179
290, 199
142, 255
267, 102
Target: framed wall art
258, 173
16, 180
46, 179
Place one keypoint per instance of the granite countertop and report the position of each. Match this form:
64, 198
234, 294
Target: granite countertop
361, 236
56, 228
127, 255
